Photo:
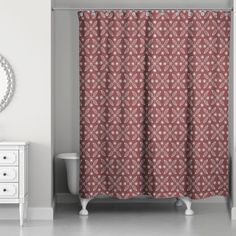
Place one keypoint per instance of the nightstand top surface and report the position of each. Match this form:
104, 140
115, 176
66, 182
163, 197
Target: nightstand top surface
13, 143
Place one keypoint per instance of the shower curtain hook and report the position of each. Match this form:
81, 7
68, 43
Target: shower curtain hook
202, 12
227, 13
93, 13
189, 13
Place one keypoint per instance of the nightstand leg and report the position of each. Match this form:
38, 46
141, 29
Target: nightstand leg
21, 212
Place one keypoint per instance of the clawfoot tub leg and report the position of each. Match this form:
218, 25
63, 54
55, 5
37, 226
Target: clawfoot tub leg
188, 202
84, 203
178, 202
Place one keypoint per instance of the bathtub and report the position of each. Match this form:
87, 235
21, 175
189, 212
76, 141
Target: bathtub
73, 176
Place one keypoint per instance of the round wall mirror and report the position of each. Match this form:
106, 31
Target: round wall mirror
7, 83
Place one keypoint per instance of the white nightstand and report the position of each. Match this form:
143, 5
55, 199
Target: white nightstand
14, 175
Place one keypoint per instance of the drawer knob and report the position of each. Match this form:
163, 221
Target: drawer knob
4, 174
4, 190
4, 157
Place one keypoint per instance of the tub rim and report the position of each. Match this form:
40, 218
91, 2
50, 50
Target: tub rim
68, 156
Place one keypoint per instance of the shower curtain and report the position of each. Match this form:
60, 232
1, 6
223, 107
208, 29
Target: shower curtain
154, 103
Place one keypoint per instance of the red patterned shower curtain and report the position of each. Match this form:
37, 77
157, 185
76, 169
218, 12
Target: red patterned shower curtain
154, 103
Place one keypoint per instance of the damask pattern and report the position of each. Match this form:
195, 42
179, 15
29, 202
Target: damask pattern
154, 103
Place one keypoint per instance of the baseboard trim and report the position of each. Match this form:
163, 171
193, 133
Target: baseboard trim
67, 198
233, 213
11, 212
41, 213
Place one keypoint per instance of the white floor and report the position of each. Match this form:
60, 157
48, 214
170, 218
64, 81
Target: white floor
128, 219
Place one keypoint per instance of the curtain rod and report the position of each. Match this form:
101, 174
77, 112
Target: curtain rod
136, 9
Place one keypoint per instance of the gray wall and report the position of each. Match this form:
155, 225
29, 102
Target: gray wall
67, 69
233, 112
66, 91
231, 117
144, 3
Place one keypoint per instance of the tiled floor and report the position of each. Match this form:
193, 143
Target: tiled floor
128, 219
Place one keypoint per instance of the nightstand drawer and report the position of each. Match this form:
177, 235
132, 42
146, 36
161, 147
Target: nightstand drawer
8, 190
8, 158
8, 174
